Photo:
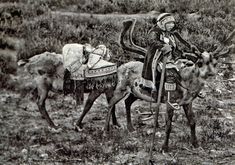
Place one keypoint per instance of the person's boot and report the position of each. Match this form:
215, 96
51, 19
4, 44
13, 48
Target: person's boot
145, 90
170, 86
147, 87
175, 105
201, 95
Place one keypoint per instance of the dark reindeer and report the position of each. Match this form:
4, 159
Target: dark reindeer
192, 76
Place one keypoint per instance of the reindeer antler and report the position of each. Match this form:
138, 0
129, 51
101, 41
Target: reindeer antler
131, 41
229, 38
218, 51
191, 56
137, 49
225, 51
197, 51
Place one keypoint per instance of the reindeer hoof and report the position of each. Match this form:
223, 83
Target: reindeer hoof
105, 134
78, 127
195, 144
201, 95
130, 128
164, 149
106, 129
117, 125
55, 129
52, 125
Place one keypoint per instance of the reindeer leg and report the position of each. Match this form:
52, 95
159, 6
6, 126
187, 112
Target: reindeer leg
43, 87
168, 120
114, 118
128, 102
109, 95
118, 95
90, 100
191, 120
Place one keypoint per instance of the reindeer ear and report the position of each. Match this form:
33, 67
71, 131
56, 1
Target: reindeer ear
22, 62
41, 72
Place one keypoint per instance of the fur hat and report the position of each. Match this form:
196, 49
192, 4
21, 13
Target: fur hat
163, 19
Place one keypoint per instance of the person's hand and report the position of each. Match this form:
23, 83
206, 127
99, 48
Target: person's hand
193, 48
166, 49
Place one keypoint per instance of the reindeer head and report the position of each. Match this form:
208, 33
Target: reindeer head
206, 65
207, 61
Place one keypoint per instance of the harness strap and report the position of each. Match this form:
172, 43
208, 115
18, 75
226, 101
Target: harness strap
178, 82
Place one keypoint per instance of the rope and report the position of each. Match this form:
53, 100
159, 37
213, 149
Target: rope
150, 104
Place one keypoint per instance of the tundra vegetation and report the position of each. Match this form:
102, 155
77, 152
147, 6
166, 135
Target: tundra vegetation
31, 27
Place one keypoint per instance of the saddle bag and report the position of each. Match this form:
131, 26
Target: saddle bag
73, 86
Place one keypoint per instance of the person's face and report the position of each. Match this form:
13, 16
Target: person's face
169, 26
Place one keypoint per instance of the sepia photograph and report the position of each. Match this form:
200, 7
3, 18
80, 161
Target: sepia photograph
117, 82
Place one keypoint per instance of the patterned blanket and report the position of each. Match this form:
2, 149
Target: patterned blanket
95, 72
102, 68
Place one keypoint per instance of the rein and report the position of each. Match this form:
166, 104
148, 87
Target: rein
180, 84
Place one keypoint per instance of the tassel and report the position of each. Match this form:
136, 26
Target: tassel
102, 82
79, 92
67, 86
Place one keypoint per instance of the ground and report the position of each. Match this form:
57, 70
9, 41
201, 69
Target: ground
27, 139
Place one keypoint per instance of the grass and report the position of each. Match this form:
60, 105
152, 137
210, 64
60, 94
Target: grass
51, 32
23, 130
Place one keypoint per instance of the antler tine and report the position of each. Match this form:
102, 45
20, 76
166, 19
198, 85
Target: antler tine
190, 54
229, 38
224, 43
130, 37
218, 49
197, 52
127, 24
225, 52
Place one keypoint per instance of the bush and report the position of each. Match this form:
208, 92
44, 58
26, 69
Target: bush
8, 66
8, 63
50, 32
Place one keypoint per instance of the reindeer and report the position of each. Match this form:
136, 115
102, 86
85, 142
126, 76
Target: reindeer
190, 80
47, 71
